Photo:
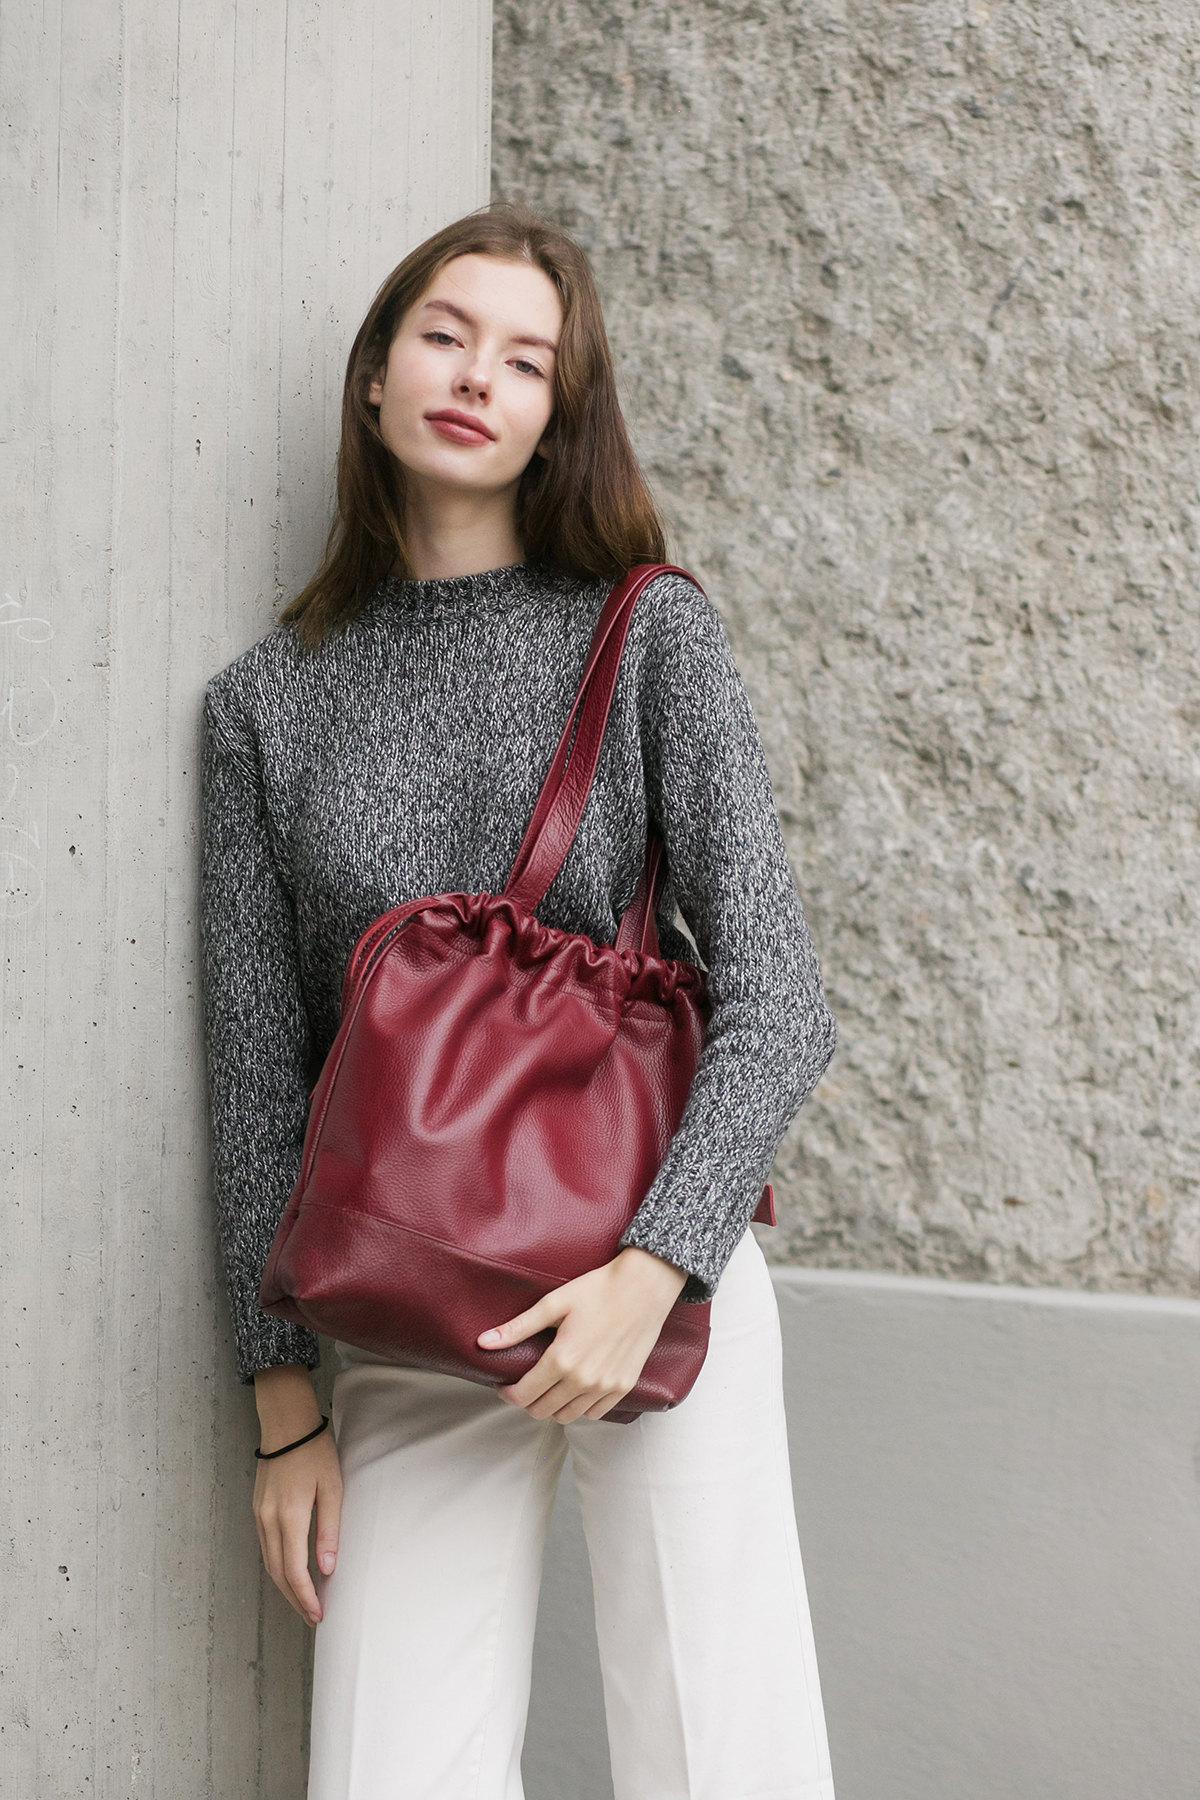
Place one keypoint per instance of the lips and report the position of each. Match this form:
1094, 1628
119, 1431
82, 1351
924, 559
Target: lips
460, 427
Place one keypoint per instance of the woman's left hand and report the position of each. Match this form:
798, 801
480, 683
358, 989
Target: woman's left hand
608, 1322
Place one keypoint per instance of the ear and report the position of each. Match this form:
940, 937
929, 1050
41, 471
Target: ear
375, 389
542, 449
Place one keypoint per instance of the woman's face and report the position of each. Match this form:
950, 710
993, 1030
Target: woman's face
479, 343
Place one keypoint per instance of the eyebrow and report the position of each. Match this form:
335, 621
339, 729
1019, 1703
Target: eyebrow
458, 313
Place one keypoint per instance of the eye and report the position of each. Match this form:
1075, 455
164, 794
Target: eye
522, 362
446, 335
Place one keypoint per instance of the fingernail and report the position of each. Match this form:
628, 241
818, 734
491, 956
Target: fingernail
326, 1561
489, 1337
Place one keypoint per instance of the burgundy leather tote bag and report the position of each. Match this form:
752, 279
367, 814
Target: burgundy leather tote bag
496, 1103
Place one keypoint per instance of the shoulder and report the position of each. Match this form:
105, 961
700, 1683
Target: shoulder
272, 681
678, 637
674, 609
670, 603
249, 689
691, 694
251, 671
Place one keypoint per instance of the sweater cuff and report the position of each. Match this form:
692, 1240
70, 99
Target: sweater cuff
272, 1342
701, 1283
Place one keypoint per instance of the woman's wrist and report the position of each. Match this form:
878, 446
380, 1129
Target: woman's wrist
287, 1404
654, 1272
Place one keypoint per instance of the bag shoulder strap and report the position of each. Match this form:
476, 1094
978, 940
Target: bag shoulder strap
551, 830
638, 929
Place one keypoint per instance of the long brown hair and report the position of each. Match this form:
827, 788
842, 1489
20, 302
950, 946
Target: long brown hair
585, 508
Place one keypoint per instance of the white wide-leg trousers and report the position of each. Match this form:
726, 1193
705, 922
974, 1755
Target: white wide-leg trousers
422, 1659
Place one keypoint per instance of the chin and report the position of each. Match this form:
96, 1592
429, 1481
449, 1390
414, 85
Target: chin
456, 472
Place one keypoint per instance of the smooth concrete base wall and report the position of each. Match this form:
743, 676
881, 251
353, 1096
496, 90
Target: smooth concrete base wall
999, 1501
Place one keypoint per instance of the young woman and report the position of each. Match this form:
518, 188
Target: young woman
387, 739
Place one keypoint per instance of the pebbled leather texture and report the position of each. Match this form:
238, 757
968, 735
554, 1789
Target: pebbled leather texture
496, 1103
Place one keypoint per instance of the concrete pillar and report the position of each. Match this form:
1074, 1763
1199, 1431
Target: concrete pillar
202, 201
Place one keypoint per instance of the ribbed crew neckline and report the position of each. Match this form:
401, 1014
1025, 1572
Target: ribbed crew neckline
489, 590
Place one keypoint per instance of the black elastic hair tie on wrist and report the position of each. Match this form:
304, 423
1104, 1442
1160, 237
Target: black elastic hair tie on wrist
266, 1455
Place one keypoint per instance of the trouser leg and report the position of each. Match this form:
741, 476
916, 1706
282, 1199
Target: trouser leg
706, 1646
422, 1659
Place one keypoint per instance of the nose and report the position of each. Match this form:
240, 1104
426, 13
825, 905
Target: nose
474, 379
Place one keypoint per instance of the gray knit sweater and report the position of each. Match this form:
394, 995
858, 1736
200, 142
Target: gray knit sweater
403, 758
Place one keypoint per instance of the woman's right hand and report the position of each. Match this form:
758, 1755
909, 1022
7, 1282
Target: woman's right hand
288, 1487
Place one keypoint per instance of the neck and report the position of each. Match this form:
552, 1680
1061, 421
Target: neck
449, 532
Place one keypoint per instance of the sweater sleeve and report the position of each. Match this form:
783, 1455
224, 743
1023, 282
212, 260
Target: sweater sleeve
256, 1031
770, 1035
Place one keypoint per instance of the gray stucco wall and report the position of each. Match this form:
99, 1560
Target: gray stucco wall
904, 305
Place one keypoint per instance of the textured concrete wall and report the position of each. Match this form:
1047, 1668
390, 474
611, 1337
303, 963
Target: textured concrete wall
905, 302
200, 202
